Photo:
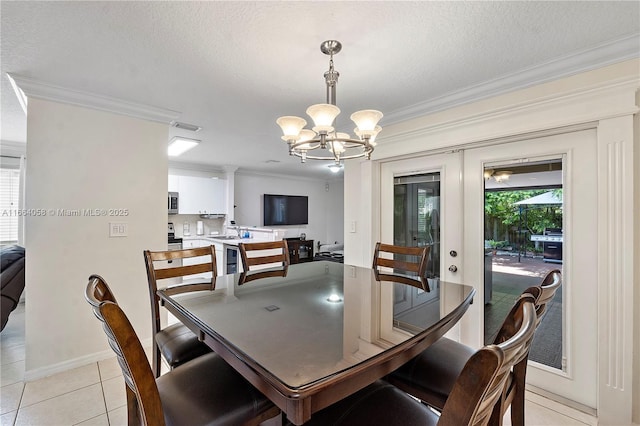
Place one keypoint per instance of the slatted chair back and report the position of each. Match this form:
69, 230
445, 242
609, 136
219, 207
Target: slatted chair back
144, 406
246, 277
157, 272
252, 259
550, 285
514, 393
400, 265
480, 386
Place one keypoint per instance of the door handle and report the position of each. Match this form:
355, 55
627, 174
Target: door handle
453, 268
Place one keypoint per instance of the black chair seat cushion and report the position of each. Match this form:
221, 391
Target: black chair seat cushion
432, 374
178, 345
208, 391
378, 404
9, 255
12, 280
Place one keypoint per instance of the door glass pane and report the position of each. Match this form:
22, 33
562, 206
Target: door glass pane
416, 223
523, 242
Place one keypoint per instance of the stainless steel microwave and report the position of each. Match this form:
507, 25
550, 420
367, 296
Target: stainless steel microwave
173, 203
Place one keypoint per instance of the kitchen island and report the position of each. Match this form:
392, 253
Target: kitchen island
227, 253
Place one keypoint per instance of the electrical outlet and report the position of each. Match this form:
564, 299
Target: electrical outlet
353, 227
118, 229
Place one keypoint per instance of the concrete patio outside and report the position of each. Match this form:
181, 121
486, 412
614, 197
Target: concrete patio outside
511, 276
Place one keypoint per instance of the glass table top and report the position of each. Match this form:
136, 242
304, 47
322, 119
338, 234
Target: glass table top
318, 320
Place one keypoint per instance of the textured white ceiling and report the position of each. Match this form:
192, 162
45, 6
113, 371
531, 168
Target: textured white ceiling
234, 67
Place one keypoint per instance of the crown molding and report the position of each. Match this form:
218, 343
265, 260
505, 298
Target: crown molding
576, 106
599, 56
26, 88
195, 169
259, 173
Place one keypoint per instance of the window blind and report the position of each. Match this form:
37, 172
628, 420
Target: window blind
9, 194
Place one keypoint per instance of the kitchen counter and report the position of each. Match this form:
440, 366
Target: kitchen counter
222, 239
216, 239
258, 235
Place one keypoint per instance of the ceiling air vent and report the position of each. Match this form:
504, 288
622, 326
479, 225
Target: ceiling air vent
185, 126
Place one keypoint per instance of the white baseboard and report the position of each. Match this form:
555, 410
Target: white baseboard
562, 405
49, 370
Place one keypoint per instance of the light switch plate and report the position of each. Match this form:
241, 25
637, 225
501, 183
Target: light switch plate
118, 229
353, 226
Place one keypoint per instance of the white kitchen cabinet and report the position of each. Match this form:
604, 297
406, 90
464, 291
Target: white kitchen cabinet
173, 183
200, 195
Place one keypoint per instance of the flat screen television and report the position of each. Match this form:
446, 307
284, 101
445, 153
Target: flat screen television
286, 210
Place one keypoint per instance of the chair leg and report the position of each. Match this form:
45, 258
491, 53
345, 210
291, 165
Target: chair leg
133, 410
517, 404
157, 360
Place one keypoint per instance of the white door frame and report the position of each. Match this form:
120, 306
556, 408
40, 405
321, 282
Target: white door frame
578, 148
608, 101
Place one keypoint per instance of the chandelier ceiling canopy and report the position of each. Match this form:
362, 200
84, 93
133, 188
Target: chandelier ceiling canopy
322, 141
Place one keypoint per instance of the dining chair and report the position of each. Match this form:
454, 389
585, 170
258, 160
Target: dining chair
431, 375
403, 260
473, 397
254, 256
176, 343
246, 277
204, 391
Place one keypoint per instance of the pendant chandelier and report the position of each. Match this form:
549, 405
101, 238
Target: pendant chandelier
322, 142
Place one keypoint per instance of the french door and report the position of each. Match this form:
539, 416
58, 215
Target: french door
417, 205
461, 241
577, 150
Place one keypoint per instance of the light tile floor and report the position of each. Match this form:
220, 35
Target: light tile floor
94, 395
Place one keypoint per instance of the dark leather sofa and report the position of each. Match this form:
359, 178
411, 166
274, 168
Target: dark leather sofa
12, 260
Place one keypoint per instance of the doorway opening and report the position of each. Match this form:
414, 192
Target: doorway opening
523, 241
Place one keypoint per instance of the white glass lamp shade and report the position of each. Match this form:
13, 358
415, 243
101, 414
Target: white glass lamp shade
323, 116
366, 120
336, 147
305, 135
372, 138
291, 127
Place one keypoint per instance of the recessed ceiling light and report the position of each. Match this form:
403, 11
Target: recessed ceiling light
178, 145
185, 126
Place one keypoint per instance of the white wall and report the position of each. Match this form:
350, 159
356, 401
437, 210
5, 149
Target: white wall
326, 204
79, 158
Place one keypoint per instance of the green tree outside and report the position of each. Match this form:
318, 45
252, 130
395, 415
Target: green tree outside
507, 224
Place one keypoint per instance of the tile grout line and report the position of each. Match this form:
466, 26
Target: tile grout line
59, 395
104, 398
15, 419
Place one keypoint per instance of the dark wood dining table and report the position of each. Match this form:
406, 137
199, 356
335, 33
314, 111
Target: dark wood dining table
320, 331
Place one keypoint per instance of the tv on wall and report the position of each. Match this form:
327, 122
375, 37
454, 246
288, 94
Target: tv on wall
286, 210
